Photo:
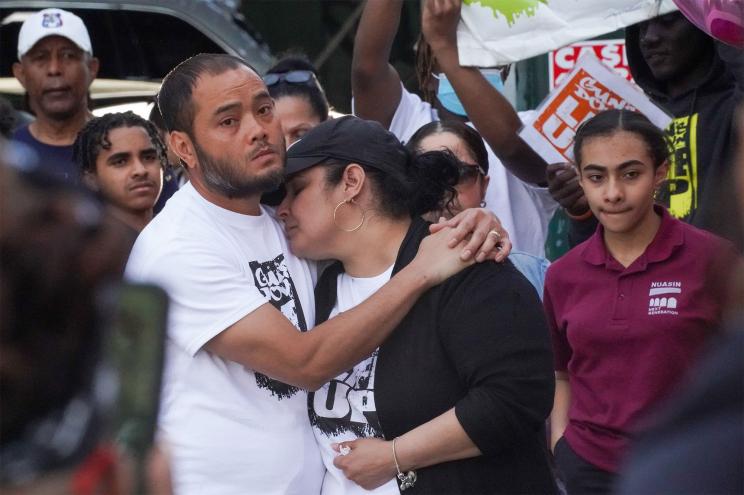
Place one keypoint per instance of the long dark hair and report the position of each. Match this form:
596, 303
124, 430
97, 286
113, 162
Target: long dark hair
608, 122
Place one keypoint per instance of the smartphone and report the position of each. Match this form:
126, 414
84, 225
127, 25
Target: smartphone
134, 349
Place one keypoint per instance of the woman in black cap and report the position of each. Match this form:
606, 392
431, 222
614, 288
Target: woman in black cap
455, 401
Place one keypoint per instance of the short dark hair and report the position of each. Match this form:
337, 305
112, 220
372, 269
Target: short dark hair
312, 92
467, 134
608, 122
174, 98
94, 137
156, 117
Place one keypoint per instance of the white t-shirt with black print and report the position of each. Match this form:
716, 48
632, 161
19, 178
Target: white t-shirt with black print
344, 409
228, 429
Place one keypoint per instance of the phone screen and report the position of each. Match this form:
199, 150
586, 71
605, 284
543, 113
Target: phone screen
134, 354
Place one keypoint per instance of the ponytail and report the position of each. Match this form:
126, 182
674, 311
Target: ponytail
433, 176
428, 184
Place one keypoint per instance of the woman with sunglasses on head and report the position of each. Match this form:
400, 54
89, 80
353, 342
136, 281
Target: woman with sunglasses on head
300, 100
631, 307
466, 144
455, 401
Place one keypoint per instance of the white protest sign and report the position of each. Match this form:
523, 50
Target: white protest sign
497, 32
590, 88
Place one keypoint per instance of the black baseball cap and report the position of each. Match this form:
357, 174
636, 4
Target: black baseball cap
349, 139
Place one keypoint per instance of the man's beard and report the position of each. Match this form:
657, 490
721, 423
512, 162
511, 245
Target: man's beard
224, 179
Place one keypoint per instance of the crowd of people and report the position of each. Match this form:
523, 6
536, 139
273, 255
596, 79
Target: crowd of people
363, 303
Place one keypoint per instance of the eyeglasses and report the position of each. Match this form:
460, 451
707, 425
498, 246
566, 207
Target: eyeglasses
469, 173
292, 77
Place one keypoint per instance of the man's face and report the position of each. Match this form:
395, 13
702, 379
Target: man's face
129, 174
237, 137
672, 47
56, 74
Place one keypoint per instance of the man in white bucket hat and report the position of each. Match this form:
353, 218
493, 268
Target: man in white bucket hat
56, 68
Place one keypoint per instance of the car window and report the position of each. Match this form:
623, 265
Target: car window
130, 45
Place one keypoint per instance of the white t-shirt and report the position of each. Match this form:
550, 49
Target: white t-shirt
524, 210
229, 430
344, 409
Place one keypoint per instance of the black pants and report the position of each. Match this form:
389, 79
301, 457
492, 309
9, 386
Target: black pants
579, 476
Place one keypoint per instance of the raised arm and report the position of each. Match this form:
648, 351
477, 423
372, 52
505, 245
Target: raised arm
487, 108
375, 84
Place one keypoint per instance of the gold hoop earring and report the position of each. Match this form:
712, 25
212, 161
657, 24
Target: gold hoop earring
335, 211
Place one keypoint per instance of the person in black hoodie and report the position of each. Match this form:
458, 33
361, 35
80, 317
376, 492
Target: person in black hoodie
699, 82
457, 397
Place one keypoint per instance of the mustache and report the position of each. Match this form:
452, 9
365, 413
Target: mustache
263, 149
145, 182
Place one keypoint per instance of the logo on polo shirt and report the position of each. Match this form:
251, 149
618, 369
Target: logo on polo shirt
663, 298
52, 20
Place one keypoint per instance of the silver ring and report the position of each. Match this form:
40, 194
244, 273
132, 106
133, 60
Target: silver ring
344, 450
496, 234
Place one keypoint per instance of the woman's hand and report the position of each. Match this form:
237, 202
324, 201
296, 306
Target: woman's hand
369, 463
479, 226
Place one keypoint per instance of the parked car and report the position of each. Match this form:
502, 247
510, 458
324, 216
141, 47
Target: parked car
137, 41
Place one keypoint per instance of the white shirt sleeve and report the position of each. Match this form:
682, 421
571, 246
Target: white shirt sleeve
208, 292
412, 113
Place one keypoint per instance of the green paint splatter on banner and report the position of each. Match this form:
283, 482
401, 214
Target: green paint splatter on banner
510, 9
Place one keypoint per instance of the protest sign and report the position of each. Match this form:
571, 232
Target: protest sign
590, 88
609, 52
497, 32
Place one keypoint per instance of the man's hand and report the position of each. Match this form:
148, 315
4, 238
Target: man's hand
368, 462
439, 19
563, 185
479, 226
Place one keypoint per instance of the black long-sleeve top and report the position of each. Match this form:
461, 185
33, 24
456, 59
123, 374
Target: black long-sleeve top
479, 343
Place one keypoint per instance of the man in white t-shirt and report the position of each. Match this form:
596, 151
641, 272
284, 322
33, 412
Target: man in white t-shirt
233, 411
516, 191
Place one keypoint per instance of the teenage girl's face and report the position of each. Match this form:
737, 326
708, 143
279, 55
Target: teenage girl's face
472, 186
307, 213
296, 115
619, 180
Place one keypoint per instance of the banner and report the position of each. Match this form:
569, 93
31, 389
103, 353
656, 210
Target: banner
497, 32
590, 88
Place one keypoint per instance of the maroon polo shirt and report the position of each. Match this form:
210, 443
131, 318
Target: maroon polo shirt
626, 336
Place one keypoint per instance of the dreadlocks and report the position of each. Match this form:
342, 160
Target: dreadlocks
424, 65
94, 137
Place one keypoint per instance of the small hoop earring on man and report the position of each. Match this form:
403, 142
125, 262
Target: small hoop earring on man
335, 213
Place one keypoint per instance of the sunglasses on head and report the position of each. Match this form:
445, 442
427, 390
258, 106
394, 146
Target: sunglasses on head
291, 77
469, 172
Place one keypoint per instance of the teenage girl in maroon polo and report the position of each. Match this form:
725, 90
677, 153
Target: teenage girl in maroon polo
630, 308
